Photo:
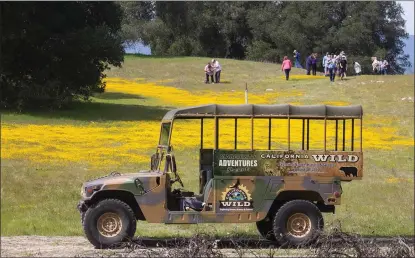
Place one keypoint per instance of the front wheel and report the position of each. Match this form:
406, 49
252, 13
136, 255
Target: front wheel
109, 222
297, 223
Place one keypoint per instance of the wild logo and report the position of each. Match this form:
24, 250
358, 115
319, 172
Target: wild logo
236, 197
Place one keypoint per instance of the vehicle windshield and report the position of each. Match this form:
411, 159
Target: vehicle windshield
164, 134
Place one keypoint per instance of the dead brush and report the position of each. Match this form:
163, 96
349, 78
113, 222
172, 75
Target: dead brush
199, 245
340, 244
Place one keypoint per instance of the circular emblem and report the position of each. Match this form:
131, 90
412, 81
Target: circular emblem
236, 195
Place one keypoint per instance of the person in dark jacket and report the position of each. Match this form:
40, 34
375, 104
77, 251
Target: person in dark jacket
297, 57
308, 63
343, 63
314, 63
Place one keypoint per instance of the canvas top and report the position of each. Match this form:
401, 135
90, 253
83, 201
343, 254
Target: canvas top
278, 110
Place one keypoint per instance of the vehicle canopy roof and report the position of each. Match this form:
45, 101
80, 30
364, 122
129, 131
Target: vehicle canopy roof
278, 110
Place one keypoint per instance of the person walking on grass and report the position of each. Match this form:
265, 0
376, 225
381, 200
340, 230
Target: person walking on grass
343, 56
209, 73
357, 68
308, 63
332, 68
297, 57
314, 63
384, 68
325, 64
286, 67
342, 63
217, 68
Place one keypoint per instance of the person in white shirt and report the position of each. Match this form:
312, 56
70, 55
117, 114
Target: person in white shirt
357, 68
325, 64
217, 68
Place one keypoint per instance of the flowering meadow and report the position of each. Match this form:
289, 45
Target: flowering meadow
46, 156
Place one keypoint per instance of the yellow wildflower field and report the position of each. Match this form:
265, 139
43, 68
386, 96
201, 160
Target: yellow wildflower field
98, 145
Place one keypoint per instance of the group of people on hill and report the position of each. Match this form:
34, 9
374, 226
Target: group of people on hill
213, 70
336, 64
333, 65
379, 67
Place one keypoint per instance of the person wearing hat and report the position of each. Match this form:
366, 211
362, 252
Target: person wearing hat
217, 68
297, 57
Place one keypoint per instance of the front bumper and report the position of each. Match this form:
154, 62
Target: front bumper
81, 207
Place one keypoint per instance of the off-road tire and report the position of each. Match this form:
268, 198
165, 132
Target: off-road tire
292, 209
109, 206
265, 229
82, 217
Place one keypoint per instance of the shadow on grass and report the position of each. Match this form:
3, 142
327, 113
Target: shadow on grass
116, 95
96, 111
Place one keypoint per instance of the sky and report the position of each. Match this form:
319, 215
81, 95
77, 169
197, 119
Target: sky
408, 8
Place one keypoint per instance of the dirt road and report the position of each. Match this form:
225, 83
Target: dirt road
41, 246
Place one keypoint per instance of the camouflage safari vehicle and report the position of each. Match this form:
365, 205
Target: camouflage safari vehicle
283, 191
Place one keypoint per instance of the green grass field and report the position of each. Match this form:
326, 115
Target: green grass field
47, 155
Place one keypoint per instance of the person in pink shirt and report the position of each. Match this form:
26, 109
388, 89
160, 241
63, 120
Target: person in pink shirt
286, 67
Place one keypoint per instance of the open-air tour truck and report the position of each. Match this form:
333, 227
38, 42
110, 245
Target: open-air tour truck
284, 191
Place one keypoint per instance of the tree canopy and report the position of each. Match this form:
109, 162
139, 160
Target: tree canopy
55, 52
267, 31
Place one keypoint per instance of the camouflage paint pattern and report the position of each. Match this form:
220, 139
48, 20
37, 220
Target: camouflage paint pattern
257, 191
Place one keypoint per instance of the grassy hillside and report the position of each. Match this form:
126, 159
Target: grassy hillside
45, 156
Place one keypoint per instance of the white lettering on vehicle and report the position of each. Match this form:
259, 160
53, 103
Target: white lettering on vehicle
335, 158
238, 163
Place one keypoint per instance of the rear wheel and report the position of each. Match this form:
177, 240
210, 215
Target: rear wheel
109, 222
265, 229
297, 223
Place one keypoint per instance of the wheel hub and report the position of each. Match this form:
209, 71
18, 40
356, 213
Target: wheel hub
298, 225
109, 224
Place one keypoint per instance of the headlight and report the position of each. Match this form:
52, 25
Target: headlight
91, 189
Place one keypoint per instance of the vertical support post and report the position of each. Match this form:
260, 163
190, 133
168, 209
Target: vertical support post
337, 133
236, 132
308, 133
352, 135
171, 132
201, 133
288, 133
216, 133
344, 134
246, 93
252, 133
325, 134
361, 133
302, 138
269, 134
